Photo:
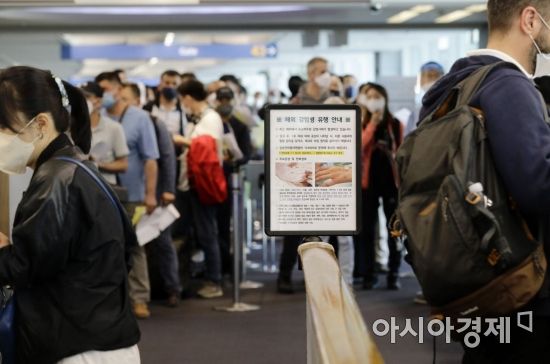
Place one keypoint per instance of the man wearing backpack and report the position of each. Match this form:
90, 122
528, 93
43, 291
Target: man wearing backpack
519, 139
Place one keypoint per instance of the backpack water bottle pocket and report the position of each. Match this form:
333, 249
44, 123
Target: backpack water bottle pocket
444, 244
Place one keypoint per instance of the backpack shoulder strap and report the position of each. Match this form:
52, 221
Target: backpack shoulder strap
96, 179
462, 93
468, 88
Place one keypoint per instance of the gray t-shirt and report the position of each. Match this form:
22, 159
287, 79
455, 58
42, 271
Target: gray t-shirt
303, 98
108, 144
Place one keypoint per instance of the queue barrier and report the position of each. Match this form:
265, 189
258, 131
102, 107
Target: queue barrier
336, 331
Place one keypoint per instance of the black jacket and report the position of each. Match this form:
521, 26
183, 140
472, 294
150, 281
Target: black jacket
68, 263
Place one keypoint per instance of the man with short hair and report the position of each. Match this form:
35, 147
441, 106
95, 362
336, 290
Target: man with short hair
317, 89
430, 73
241, 109
109, 149
314, 92
237, 149
192, 95
350, 87
187, 76
166, 194
166, 108
515, 120
141, 178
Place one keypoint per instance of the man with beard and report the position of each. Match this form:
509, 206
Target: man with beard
520, 144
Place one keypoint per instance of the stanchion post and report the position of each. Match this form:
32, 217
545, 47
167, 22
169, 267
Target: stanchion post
265, 249
246, 225
237, 306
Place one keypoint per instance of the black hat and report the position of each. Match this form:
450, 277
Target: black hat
224, 93
92, 88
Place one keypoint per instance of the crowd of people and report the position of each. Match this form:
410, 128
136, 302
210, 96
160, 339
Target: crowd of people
75, 261
141, 137
140, 143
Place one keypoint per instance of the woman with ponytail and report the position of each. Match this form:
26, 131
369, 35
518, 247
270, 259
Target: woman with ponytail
68, 256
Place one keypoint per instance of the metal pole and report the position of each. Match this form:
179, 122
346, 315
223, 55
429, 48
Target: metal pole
265, 263
237, 306
273, 248
246, 205
249, 206
235, 182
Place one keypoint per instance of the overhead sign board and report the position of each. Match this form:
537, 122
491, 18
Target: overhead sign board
134, 51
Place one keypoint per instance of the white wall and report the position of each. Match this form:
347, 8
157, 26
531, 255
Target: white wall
41, 50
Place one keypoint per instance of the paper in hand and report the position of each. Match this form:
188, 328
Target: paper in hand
151, 226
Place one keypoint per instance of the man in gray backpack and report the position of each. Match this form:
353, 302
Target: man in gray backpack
515, 120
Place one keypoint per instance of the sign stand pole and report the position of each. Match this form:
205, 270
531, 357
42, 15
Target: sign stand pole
237, 306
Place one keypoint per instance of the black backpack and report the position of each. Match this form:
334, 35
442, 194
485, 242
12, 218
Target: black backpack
471, 251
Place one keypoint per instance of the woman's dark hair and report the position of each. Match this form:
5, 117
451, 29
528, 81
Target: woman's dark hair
26, 92
294, 84
230, 78
108, 76
188, 75
193, 88
387, 117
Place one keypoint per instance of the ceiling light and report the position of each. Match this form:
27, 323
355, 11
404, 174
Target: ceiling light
453, 16
169, 39
153, 61
479, 8
410, 14
461, 14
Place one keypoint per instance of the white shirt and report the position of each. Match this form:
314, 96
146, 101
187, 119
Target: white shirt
500, 55
211, 124
174, 120
121, 356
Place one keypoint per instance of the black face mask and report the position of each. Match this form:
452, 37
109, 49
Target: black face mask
169, 93
225, 110
335, 93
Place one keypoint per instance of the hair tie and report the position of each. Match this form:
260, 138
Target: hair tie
64, 97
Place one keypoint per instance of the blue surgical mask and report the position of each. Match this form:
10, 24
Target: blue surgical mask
350, 92
108, 100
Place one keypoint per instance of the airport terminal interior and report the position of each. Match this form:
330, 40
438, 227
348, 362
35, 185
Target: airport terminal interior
254, 53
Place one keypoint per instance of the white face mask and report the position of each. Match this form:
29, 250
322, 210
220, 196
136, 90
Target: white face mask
15, 152
543, 60
90, 106
323, 81
362, 100
543, 65
374, 105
